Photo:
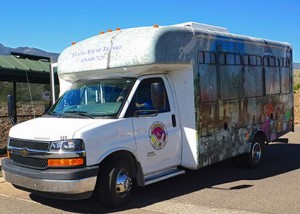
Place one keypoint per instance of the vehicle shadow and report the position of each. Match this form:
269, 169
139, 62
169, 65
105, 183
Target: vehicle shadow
279, 158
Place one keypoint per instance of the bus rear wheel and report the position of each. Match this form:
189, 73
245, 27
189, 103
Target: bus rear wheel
255, 157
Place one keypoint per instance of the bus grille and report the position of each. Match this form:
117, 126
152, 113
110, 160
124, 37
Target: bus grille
28, 161
36, 163
35, 145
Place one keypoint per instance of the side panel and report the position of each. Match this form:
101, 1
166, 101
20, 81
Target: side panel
183, 88
241, 88
101, 141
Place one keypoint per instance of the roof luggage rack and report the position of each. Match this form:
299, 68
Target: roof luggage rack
203, 26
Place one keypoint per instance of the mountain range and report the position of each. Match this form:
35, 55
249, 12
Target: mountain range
26, 50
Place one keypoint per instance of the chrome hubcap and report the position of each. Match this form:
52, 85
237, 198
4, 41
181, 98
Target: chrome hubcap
123, 183
256, 152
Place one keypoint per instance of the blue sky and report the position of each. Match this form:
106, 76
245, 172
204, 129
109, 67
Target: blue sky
54, 24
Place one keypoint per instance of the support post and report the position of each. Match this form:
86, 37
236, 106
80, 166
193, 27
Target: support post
52, 82
15, 101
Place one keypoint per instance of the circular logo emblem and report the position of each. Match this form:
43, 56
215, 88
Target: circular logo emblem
158, 135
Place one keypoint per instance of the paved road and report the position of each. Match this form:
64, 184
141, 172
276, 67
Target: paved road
221, 188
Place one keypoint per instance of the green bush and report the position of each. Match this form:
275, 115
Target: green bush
297, 87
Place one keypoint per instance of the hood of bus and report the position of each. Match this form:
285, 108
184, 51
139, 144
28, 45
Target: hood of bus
51, 129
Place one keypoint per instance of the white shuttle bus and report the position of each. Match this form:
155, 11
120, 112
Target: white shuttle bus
143, 104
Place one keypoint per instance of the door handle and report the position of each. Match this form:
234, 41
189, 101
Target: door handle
173, 120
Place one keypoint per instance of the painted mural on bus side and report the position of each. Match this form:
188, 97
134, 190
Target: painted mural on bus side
226, 128
239, 96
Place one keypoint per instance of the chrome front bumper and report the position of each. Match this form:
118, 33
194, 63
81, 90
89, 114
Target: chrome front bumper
52, 186
76, 183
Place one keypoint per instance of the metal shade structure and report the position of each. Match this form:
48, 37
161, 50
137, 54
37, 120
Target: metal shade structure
17, 69
27, 69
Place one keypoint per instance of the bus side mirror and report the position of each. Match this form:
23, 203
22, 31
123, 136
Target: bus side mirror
158, 95
11, 108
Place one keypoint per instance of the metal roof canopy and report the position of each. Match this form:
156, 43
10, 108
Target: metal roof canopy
19, 68
25, 68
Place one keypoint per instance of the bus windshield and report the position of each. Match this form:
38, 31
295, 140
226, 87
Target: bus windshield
93, 98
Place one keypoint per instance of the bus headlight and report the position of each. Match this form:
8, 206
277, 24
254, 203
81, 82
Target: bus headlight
67, 145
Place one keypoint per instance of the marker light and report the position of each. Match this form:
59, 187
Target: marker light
109, 30
155, 26
65, 162
101, 32
73, 43
118, 29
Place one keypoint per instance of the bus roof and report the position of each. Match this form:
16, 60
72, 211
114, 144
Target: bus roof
133, 51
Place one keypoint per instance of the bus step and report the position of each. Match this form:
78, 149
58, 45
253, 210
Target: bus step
163, 175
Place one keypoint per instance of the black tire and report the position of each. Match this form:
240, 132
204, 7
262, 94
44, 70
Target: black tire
255, 158
114, 183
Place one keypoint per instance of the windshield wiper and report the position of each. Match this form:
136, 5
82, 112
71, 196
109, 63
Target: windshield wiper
78, 113
51, 113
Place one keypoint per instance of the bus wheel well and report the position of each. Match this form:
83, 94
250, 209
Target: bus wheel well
261, 135
121, 155
115, 179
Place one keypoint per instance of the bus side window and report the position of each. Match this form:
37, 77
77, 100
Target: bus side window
142, 99
272, 78
253, 76
285, 75
207, 70
231, 79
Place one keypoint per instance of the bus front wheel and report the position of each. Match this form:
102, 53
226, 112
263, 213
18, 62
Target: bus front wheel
114, 183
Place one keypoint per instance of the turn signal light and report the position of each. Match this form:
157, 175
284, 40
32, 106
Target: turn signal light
65, 162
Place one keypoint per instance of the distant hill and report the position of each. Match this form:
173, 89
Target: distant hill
296, 66
26, 50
